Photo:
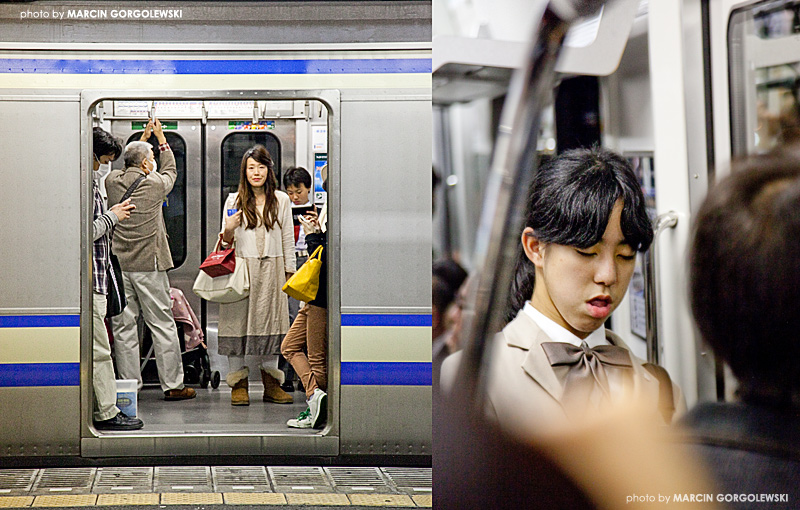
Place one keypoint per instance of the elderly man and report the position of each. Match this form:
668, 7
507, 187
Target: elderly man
144, 256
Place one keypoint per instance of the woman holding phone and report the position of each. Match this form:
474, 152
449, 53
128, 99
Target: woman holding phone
257, 220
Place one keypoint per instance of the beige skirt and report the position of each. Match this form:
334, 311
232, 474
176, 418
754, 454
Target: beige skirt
256, 325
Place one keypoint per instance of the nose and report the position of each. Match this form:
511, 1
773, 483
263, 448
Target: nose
606, 270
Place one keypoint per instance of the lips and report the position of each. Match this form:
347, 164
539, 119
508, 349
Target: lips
599, 307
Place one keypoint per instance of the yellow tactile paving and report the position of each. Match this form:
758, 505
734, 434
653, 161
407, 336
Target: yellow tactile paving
127, 499
425, 500
191, 498
249, 498
317, 499
381, 500
66, 500
15, 501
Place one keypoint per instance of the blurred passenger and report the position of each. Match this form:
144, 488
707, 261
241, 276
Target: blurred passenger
448, 277
306, 343
143, 250
744, 281
262, 231
106, 414
555, 362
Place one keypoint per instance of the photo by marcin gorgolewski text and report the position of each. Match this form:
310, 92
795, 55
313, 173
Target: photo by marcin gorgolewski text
707, 498
90, 14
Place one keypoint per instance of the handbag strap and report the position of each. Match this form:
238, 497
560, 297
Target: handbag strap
126, 196
316, 253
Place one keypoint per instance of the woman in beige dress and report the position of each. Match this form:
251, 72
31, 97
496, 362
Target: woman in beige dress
257, 219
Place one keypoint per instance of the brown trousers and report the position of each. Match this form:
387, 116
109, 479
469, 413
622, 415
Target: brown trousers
309, 330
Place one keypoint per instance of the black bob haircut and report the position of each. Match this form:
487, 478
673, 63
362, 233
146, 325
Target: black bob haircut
569, 203
295, 176
744, 276
104, 143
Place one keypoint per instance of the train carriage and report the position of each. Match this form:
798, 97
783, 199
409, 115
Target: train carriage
345, 84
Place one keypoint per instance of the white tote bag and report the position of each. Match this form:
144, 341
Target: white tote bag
226, 288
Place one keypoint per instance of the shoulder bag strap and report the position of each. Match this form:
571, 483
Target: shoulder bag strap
126, 196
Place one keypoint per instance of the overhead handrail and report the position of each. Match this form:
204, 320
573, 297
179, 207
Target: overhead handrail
652, 287
513, 167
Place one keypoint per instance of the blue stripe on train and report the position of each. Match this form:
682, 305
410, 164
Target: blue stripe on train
299, 66
387, 320
386, 374
40, 321
15, 375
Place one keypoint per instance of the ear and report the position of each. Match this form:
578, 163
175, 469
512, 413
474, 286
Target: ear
534, 249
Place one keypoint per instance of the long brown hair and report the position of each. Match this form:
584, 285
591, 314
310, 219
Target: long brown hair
246, 200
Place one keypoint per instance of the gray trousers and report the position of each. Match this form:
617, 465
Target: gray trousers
148, 291
103, 382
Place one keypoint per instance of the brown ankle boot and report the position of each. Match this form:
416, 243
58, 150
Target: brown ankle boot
272, 379
238, 382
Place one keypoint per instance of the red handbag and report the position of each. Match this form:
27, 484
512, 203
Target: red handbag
219, 262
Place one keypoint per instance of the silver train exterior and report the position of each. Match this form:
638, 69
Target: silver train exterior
367, 65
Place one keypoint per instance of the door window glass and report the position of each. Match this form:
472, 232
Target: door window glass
233, 148
175, 206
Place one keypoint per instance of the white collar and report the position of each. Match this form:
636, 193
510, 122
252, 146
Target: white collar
558, 333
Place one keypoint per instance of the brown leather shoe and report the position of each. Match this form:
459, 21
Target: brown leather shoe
272, 379
184, 394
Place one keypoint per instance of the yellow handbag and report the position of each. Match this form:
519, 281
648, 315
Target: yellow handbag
303, 285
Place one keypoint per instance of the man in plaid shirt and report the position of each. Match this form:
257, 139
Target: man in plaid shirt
106, 415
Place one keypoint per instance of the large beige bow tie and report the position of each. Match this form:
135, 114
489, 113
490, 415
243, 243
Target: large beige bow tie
586, 366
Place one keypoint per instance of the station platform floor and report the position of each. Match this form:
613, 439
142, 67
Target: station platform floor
217, 487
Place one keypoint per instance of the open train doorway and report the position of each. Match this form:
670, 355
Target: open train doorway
208, 137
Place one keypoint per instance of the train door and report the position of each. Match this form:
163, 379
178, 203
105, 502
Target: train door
208, 136
182, 208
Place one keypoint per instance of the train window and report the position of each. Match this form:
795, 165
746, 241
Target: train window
175, 205
764, 77
236, 144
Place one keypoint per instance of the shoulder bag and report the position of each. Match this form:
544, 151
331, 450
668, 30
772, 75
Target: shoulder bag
226, 288
115, 300
304, 284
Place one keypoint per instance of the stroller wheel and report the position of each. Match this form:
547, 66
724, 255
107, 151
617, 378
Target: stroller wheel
215, 380
204, 379
190, 374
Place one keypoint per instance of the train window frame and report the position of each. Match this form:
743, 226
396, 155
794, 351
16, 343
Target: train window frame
177, 262
323, 443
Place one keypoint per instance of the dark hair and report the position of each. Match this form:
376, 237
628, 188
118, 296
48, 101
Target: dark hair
443, 294
450, 272
295, 176
569, 203
745, 275
104, 143
246, 201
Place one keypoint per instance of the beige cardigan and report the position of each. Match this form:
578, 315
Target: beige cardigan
278, 241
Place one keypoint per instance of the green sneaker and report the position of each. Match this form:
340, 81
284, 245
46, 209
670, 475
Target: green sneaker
303, 420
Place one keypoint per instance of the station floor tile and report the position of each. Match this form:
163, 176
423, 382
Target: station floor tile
245, 498
191, 498
317, 499
127, 499
381, 500
15, 501
66, 500
423, 500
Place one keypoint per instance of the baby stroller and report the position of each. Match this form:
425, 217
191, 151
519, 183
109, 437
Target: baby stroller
194, 353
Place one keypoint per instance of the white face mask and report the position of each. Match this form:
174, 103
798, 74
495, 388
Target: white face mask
155, 165
103, 170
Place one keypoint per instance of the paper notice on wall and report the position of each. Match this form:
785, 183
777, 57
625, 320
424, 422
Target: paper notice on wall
319, 138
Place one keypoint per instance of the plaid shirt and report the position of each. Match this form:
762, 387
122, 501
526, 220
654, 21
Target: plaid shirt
102, 223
